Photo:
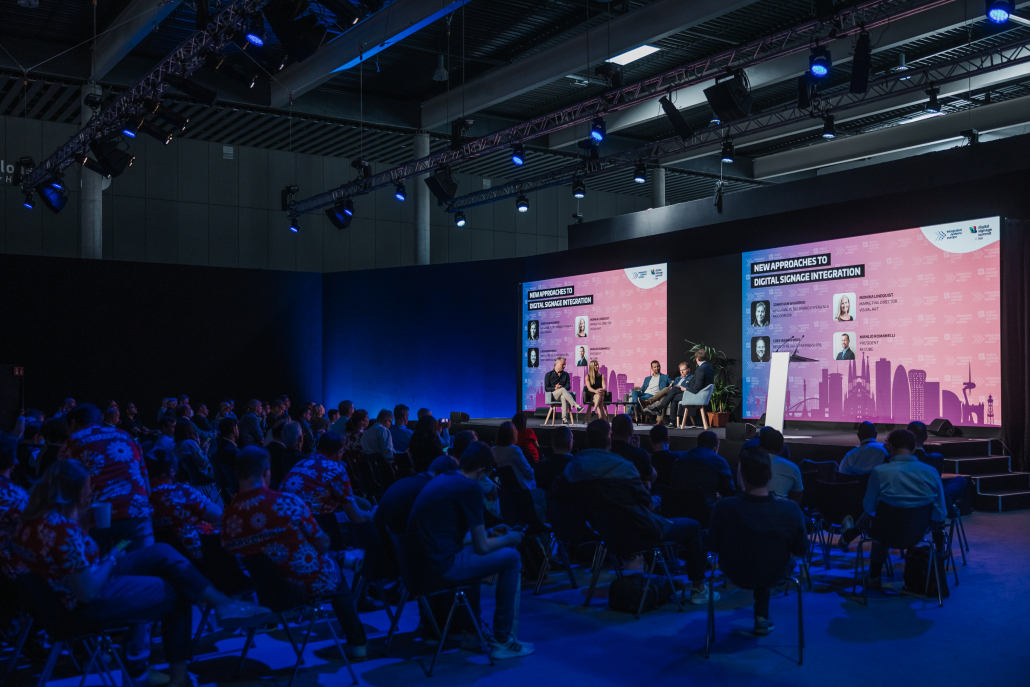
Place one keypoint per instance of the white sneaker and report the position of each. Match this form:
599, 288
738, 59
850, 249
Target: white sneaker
700, 597
513, 648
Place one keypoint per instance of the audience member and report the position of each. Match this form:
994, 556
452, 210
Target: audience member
703, 468
112, 418
399, 431
755, 441
55, 433
346, 409
614, 500
292, 438
12, 502
276, 452
904, 482
251, 433
117, 473
276, 412
152, 584
662, 458
333, 415
448, 509
955, 486
394, 508
303, 418
377, 441
166, 426
527, 440
425, 445
441, 425
179, 506
65, 408
200, 420
322, 483
355, 431
224, 459
461, 440
756, 517
319, 422
626, 445
868, 455
786, 477
548, 469
187, 448
282, 527
507, 453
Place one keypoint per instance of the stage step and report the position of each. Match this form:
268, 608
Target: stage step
959, 448
1006, 481
978, 465
1002, 501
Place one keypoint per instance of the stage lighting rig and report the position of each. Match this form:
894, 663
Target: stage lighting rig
861, 63
730, 98
341, 213
727, 150
399, 192
640, 173
999, 11
579, 189
679, 124
590, 146
933, 105
829, 127
459, 219
518, 155
364, 168
819, 62
522, 203
598, 129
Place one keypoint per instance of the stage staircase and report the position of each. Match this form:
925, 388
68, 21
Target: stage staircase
994, 487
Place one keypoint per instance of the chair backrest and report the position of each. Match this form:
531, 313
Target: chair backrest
274, 591
411, 558
825, 469
44, 605
834, 500
508, 479
567, 521
331, 526
809, 481
686, 503
900, 528
371, 486
517, 507
756, 559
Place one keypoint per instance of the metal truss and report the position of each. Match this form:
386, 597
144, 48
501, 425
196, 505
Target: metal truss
887, 87
183, 61
845, 23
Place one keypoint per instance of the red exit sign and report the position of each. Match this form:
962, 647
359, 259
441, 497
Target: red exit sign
19, 372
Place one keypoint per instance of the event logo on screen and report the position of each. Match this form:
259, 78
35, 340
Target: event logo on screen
889, 327
618, 318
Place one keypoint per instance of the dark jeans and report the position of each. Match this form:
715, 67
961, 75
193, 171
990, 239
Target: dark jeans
153, 584
762, 603
139, 532
687, 533
507, 564
673, 397
347, 614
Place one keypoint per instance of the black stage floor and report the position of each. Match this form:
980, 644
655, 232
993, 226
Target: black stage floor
806, 442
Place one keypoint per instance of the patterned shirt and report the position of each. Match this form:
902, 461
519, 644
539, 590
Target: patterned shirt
282, 527
53, 547
116, 469
181, 507
12, 502
322, 483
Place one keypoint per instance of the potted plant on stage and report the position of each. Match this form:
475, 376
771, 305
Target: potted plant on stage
725, 393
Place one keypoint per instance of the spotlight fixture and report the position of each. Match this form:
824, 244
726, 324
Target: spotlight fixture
579, 188
255, 32
129, 129
112, 159
28, 202
93, 166
518, 155
53, 197
340, 213
57, 181
174, 118
933, 105
22, 168
195, 91
459, 219
727, 151
999, 11
522, 203
459, 131
715, 121
730, 98
399, 193
598, 129
829, 129
154, 132
820, 62
440, 74
364, 168
348, 207
640, 173
902, 67
295, 224
590, 145
683, 129
286, 197
861, 63
442, 185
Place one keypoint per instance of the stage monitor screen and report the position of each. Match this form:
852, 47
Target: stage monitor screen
889, 327
618, 318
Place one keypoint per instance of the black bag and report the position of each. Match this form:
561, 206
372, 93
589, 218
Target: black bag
917, 566
625, 592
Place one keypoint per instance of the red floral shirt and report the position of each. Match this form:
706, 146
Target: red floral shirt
322, 483
116, 469
12, 502
53, 547
282, 527
181, 507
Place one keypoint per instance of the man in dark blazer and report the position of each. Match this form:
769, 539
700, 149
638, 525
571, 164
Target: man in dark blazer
223, 462
845, 348
251, 433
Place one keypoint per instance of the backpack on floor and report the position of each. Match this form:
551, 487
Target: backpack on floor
625, 592
917, 565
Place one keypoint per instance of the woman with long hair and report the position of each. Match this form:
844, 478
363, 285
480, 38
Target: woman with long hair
425, 445
152, 584
528, 442
355, 428
581, 327
843, 310
507, 452
187, 448
594, 391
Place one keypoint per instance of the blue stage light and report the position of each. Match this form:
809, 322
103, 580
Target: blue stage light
400, 194
518, 155
999, 11
256, 30
29, 203
459, 219
820, 62
598, 129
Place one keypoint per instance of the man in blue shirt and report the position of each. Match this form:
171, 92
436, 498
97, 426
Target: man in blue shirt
868, 455
399, 431
703, 468
904, 482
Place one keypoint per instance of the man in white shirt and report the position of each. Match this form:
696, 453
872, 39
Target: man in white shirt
377, 438
867, 456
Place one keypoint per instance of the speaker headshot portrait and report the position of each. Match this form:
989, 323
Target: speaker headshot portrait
582, 356
844, 307
760, 349
760, 314
842, 345
533, 357
582, 326
533, 330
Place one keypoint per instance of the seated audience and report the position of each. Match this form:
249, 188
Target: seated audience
284, 460
303, 418
756, 515
548, 469
442, 425
625, 444
527, 440
507, 453
179, 506
868, 455
447, 510
755, 441
616, 503
282, 527
786, 477
954, 486
394, 508
377, 441
355, 426
224, 460
345, 409
276, 451
187, 448
117, 473
321, 481
112, 418
662, 459
200, 420
12, 501
425, 445
152, 584
166, 439
399, 431
319, 422
703, 468
462, 440
250, 426
55, 433
904, 482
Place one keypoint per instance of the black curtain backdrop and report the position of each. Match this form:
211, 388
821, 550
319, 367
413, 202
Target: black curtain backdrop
1015, 339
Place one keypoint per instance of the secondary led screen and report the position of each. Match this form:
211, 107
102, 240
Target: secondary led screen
889, 327
618, 318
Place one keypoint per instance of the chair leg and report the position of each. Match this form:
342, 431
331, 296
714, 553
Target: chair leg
801, 626
200, 629
379, 587
710, 628
564, 557
289, 632
647, 583
396, 619
475, 621
544, 567
937, 575
51, 661
704, 417
423, 603
303, 646
668, 576
446, 629
339, 647
598, 557
860, 566
18, 646
246, 649
93, 649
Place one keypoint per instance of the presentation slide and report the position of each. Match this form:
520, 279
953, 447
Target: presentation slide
889, 327
617, 318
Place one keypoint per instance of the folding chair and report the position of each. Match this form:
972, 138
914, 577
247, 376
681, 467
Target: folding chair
553, 405
835, 500
568, 530
618, 558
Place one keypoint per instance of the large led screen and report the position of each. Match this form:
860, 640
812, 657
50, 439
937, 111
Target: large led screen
618, 318
889, 327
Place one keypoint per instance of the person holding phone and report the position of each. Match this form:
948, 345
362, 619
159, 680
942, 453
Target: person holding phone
152, 584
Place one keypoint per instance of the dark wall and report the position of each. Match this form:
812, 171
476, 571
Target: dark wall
96, 330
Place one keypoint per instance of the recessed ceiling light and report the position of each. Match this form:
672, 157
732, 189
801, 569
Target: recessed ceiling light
634, 54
